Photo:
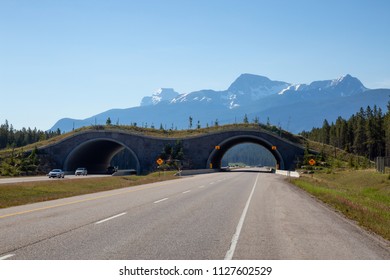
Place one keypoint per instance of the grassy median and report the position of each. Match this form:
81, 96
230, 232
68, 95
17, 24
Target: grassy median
361, 195
30, 192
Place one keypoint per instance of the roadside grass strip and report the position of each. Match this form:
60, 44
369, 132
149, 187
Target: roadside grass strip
31, 192
361, 195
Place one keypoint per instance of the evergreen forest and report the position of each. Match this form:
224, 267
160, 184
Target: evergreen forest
13, 138
366, 133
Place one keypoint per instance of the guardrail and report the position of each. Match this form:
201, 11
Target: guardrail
293, 174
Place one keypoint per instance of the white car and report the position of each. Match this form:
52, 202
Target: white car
56, 173
81, 171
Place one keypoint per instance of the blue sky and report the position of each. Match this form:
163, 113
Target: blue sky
68, 58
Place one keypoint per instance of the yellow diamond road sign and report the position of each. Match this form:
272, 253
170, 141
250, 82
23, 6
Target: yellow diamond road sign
312, 162
159, 161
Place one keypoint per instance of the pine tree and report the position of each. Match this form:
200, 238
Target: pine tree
359, 132
246, 119
325, 137
386, 128
370, 132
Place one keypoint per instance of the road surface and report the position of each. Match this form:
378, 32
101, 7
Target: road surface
231, 215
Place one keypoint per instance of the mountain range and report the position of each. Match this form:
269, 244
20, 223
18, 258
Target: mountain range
293, 107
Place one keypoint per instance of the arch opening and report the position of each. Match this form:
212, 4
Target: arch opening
97, 156
248, 154
216, 156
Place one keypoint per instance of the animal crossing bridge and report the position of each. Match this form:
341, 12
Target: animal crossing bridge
94, 149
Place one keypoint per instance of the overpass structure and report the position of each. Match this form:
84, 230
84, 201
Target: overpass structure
94, 149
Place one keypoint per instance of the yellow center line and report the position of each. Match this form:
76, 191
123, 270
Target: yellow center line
75, 202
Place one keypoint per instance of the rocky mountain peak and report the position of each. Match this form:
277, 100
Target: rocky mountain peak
296, 107
162, 94
348, 85
250, 82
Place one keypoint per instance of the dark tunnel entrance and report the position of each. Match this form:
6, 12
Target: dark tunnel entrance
216, 156
97, 155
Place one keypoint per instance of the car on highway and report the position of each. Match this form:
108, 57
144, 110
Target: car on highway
56, 173
111, 169
81, 171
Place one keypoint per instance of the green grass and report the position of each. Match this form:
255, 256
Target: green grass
361, 195
163, 133
30, 192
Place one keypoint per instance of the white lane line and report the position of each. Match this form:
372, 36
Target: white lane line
158, 201
236, 236
201, 187
186, 191
7, 256
110, 218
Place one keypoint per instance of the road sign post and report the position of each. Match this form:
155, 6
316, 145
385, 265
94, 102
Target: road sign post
159, 161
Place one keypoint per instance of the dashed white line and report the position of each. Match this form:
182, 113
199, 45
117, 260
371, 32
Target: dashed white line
110, 218
200, 187
158, 201
7, 256
236, 236
186, 191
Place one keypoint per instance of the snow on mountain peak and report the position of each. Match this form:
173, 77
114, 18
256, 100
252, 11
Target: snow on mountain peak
249, 88
348, 85
196, 96
294, 88
344, 86
162, 94
343, 79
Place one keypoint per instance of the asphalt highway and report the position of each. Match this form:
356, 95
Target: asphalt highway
229, 215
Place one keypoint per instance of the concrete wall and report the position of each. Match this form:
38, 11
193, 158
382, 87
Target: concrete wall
96, 148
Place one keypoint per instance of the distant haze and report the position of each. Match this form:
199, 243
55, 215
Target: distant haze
293, 107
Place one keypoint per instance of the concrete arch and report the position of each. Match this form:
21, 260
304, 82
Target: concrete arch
96, 155
94, 149
216, 155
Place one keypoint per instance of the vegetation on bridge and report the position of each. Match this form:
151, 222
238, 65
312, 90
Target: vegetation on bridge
13, 158
39, 138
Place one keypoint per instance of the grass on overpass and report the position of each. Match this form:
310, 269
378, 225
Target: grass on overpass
163, 133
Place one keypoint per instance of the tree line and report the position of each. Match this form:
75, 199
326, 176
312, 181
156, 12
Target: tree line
365, 133
13, 138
